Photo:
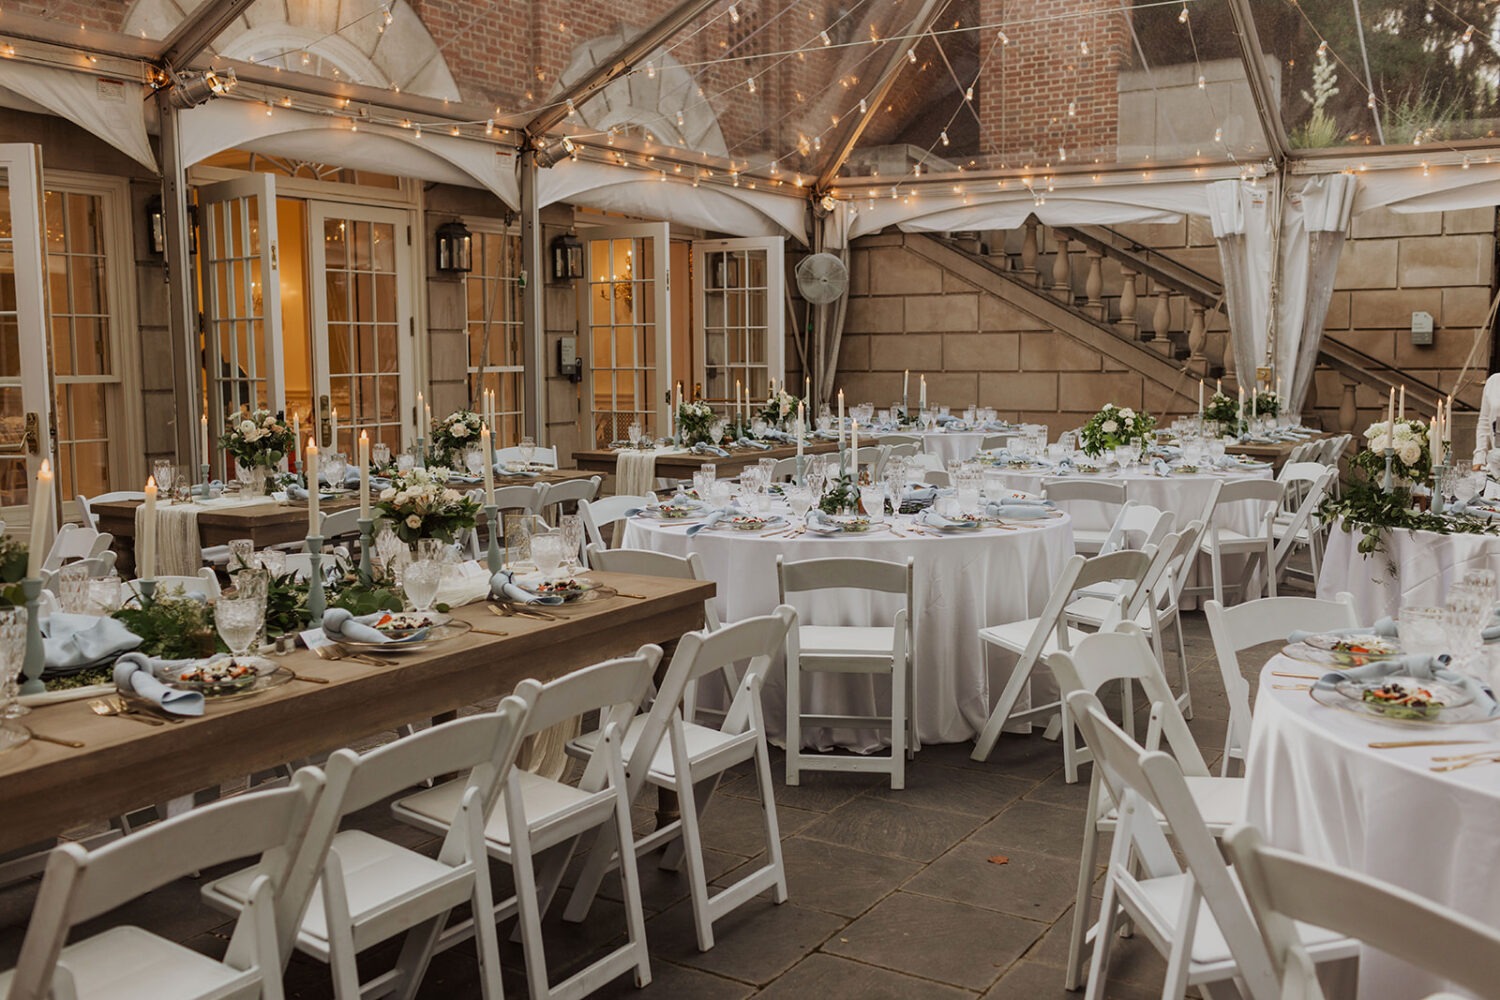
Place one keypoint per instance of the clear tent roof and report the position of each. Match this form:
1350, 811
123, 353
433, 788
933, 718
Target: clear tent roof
772, 89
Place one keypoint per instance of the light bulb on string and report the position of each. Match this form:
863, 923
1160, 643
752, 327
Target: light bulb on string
453, 130
385, 13
750, 84
863, 107
1072, 108
1062, 154
911, 55
680, 119
269, 108
943, 135
1182, 17
969, 95
1323, 48
1466, 161
823, 37
417, 130
1202, 82
489, 127
1083, 47
1370, 103
1004, 38
817, 144
734, 14
650, 70
306, 58
1468, 33
1424, 169
1219, 134
572, 111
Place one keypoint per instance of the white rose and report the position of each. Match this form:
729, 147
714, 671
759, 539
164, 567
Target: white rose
246, 426
1127, 414
1410, 452
458, 430
1379, 442
1109, 427
413, 521
389, 493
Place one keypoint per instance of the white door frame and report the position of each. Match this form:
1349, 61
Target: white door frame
238, 192
22, 163
407, 368
660, 235
775, 309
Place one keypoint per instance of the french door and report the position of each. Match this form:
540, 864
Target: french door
25, 375
629, 330
362, 329
739, 316
241, 299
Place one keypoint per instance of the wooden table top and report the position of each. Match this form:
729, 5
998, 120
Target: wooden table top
125, 765
682, 464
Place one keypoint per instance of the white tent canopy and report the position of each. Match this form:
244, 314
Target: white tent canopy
113, 110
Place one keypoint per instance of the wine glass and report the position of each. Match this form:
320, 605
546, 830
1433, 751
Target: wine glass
238, 618
420, 582
571, 526
241, 554
390, 551
799, 500
474, 460
716, 431
527, 445
12, 659
710, 472
380, 455
547, 553
758, 428
633, 432
273, 561
73, 588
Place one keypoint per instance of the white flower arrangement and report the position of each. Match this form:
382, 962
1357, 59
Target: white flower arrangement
256, 438
694, 421
1115, 425
420, 504
1408, 440
455, 432
780, 407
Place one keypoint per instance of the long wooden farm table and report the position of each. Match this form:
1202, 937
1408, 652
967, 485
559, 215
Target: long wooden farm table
124, 765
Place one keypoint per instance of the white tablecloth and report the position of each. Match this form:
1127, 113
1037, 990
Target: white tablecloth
179, 548
1185, 495
1413, 568
963, 582
1316, 787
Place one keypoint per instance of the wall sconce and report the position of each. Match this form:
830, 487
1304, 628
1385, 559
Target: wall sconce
156, 226
567, 257
455, 247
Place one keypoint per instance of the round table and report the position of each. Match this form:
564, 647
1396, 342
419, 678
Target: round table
1315, 786
963, 582
1413, 568
1186, 495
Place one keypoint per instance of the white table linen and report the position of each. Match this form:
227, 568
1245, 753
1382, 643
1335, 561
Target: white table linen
179, 547
635, 469
1413, 569
963, 582
1316, 787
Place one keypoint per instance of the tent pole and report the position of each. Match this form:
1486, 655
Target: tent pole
198, 31
182, 313
1267, 98
533, 355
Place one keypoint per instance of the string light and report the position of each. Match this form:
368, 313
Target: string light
417, 130
911, 55
1072, 109
863, 107
1083, 47
1219, 134
1182, 18
944, 136
823, 37
385, 13
489, 127
1468, 33
1466, 161
1323, 48
1062, 154
650, 70
969, 95
750, 83
572, 111
734, 14
1004, 39
1371, 102
1202, 82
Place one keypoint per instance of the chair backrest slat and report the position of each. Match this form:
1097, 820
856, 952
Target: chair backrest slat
835, 573
606, 686
601, 511
645, 562
1097, 490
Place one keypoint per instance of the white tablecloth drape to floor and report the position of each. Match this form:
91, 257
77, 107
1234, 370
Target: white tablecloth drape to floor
962, 582
1413, 568
179, 547
1316, 787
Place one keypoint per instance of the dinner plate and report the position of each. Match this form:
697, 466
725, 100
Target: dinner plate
1335, 659
405, 624
1458, 706
260, 667
275, 677
859, 526
682, 513
435, 636
750, 523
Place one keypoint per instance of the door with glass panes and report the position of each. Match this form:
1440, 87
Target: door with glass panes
25, 376
628, 357
362, 326
738, 318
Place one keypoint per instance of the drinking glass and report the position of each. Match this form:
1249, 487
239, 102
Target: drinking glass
701, 483
420, 581
799, 500
238, 618
758, 427
1422, 630
1466, 613
633, 433
527, 446
332, 469
1482, 581
885, 418
405, 462
750, 480
241, 554
719, 494
710, 472
12, 659
716, 431
815, 474
273, 561
73, 589
380, 454
767, 468
390, 551
474, 460
872, 499
571, 526
165, 473
967, 489
547, 553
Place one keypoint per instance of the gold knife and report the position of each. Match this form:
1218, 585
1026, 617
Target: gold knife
1401, 744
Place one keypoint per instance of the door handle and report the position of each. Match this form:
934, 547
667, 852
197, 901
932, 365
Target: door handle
325, 428
31, 438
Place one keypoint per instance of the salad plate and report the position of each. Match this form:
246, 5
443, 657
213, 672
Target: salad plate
1405, 700
1343, 650
219, 678
450, 629
855, 524
750, 522
673, 512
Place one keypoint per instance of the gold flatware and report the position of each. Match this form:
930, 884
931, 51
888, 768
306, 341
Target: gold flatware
1402, 744
53, 739
633, 597
485, 631
129, 709
102, 707
1492, 751
337, 652
1304, 677
1492, 759
506, 611
306, 677
1291, 687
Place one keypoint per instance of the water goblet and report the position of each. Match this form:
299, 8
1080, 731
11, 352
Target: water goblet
633, 433
333, 468
716, 431
165, 473
751, 480
405, 462
238, 618
474, 460
1482, 581
73, 589
527, 446
241, 554
799, 499
273, 561
571, 526
420, 580
380, 454
1422, 631
390, 551
767, 468
872, 499
701, 483
12, 659
547, 553
758, 427
719, 494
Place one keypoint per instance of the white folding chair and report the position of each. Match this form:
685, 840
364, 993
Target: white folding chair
75, 541
526, 499
896, 440
86, 504
1121, 655
1296, 525
1137, 526
371, 889
1068, 491
339, 524
871, 456
1251, 624
786, 470
609, 511
537, 814
992, 441
574, 491
539, 456
900, 449
1033, 638
1286, 889
644, 562
129, 961
850, 649
1257, 546
691, 763
204, 582
95, 568
1193, 913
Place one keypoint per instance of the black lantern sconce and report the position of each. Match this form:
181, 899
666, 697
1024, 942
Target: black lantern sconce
156, 226
567, 258
455, 247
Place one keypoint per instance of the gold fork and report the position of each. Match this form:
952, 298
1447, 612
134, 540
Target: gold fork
122, 705
337, 652
1494, 759
101, 707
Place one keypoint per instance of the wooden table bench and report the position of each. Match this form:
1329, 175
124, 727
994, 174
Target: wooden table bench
124, 765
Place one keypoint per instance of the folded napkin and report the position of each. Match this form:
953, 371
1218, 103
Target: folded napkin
1226, 462
135, 673
516, 473
943, 421
1422, 667
1018, 510
777, 435
712, 520
214, 489
956, 426
77, 640
504, 584
1386, 626
351, 479
821, 523
752, 443
1019, 498
463, 583
826, 435
933, 519
1473, 508
924, 494
298, 492
1065, 465
464, 478
704, 448
1160, 467
340, 624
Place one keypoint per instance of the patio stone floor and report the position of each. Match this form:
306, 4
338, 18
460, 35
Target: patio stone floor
893, 894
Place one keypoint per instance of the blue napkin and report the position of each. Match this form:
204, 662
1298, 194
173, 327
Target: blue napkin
1018, 510
704, 448
135, 674
924, 494
1422, 667
821, 523
297, 491
832, 435
504, 583
1386, 626
1473, 508
778, 435
517, 473
933, 519
215, 488
340, 624
1160, 467
752, 443
76, 640
943, 421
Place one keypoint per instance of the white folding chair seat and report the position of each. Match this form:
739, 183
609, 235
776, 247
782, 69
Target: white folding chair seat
574, 491
1032, 639
537, 814
597, 513
691, 756
850, 649
204, 582
131, 962
1251, 624
1065, 491
77, 541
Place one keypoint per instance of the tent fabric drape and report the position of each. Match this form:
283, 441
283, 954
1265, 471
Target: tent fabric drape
1240, 214
113, 110
1315, 225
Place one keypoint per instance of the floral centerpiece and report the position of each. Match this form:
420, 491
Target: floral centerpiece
420, 504
694, 421
780, 407
1411, 463
455, 432
1225, 412
1115, 425
1267, 403
258, 439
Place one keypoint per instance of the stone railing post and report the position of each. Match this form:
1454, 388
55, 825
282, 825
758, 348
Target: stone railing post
1348, 412
1028, 251
1127, 322
1062, 270
1093, 285
1162, 320
1198, 338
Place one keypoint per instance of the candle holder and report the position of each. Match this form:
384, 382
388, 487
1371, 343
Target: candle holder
366, 542
148, 591
1439, 477
203, 472
1387, 483
801, 463
316, 604
36, 653
493, 555
421, 453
